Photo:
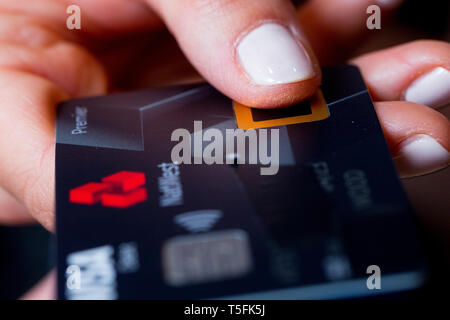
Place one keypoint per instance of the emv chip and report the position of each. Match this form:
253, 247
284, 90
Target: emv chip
313, 109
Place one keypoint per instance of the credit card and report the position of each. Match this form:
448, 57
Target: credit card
181, 193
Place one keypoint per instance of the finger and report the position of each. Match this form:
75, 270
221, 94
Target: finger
44, 289
66, 64
334, 28
417, 71
418, 136
27, 158
30, 92
102, 24
12, 212
99, 18
251, 50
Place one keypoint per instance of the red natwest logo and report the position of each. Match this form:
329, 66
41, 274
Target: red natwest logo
120, 190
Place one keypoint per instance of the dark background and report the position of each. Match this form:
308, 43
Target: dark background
26, 253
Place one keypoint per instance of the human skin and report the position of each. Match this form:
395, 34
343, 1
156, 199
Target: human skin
125, 44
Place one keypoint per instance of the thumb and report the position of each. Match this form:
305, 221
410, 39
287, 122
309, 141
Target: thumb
252, 50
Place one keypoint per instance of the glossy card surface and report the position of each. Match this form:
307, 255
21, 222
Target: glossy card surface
131, 224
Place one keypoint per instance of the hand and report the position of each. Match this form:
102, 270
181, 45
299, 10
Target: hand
43, 63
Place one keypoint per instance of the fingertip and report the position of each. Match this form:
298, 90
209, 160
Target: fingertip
270, 54
420, 154
277, 96
276, 66
418, 137
401, 119
252, 51
417, 71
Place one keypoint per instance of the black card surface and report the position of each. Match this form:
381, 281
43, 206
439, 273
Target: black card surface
152, 203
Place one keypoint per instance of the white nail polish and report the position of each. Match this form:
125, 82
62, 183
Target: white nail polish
431, 89
421, 154
271, 55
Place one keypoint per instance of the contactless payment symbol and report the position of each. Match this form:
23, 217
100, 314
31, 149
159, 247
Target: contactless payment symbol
313, 109
119, 190
199, 220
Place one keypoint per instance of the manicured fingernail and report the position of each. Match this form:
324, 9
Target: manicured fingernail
431, 89
421, 154
271, 55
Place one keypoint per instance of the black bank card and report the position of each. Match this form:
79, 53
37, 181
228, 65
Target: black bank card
153, 203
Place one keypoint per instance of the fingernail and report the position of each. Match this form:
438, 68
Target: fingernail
271, 55
431, 89
421, 154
